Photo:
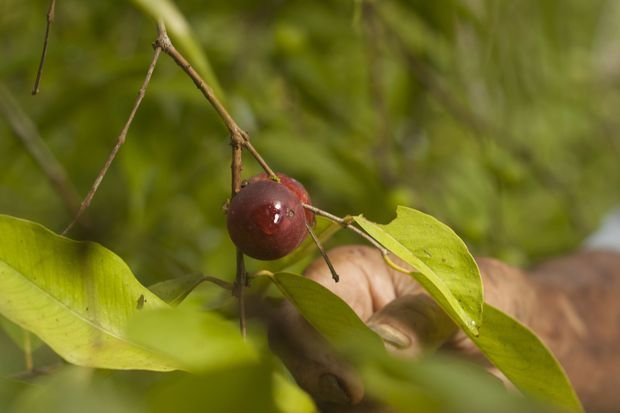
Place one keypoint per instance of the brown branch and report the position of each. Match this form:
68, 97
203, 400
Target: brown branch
238, 136
51, 11
241, 281
26, 131
239, 140
119, 142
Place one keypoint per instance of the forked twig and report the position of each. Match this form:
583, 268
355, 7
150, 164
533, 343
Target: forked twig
347, 222
237, 135
51, 12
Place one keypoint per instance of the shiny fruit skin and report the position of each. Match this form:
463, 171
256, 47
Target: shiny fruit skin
295, 186
266, 220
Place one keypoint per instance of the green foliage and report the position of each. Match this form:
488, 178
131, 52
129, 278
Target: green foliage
525, 360
195, 341
442, 263
496, 117
75, 296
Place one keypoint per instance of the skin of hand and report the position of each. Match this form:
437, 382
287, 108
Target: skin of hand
570, 303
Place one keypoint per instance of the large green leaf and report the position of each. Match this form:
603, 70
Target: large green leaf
76, 296
445, 268
180, 31
524, 359
325, 311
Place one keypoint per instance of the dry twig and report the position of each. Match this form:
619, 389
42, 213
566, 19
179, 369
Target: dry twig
119, 142
51, 12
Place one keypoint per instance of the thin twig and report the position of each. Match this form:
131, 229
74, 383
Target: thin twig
51, 12
26, 131
239, 139
241, 281
237, 135
347, 222
316, 240
119, 142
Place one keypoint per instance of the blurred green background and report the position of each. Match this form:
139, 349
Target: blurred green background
497, 117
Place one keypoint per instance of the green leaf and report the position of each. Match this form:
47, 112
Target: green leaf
325, 311
195, 340
525, 360
76, 296
445, 268
73, 389
180, 31
241, 388
440, 384
175, 290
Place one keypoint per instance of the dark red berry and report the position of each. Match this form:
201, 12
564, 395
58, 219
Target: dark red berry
266, 220
295, 186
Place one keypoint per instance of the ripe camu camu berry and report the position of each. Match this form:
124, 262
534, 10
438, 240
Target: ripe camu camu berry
266, 219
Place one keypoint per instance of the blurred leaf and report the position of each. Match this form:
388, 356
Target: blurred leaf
525, 360
325, 311
10, 389
76, 296
445, 268
180, 31
72, 390
440, 384
195, 341
290, 398
247, 388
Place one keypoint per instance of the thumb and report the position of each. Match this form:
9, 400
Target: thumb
412, 324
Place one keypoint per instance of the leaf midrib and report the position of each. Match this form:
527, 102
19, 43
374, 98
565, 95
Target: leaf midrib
71, 311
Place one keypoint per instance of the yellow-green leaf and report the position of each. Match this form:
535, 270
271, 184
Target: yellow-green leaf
76, 296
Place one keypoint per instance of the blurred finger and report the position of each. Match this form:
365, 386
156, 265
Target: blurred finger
412, 324
315, 366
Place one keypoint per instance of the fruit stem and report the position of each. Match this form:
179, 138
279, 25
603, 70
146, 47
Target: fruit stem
348, 222
323, 253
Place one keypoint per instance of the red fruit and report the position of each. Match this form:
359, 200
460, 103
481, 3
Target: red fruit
295, 186
266, 219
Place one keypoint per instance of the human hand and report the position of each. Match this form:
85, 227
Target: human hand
395, 306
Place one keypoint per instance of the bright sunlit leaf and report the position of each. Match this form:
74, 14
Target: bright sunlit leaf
76, 296
525, 360
445, 268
